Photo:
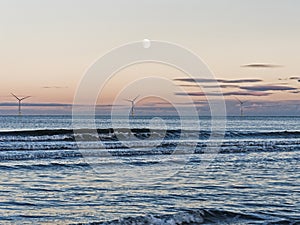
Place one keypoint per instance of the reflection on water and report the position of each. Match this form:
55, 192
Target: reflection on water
255, 178
70, 191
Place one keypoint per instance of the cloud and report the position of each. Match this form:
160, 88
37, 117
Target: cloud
221, 86
211, 86
234, 93
295, 92
237, 93
294, 78
268, 88
197, 80
229, 86
241, 81
189, 85
190, 80
280, 78
261, 65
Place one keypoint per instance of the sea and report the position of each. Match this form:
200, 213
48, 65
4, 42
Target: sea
149, 170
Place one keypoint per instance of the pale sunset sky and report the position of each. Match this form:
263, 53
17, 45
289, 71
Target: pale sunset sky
252, 47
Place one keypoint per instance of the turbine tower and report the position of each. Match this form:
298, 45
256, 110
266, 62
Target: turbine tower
241, 106
132, 104
20, 101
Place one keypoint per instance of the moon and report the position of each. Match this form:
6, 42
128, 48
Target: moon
146, 43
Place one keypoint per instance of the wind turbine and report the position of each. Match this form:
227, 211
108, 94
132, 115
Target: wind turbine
241, 105
132, 104
20, 100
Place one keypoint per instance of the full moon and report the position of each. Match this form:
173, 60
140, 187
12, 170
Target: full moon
146, 43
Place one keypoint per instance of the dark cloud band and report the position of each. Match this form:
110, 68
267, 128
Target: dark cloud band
190, 80
268, 88
261, 65
234, 93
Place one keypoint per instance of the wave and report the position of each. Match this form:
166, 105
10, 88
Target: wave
198, 145
136, 149
67, 143
111, 134
192, 217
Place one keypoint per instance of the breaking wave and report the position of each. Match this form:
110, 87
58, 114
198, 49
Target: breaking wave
64, 143
142, 133
192, 217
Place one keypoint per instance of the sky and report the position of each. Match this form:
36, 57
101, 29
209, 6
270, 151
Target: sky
252, 47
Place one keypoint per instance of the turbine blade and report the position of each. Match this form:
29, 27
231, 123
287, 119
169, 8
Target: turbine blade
238, 100
135, 98
24, 98
127, 100
15, 96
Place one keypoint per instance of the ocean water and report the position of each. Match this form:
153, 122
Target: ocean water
159, 171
